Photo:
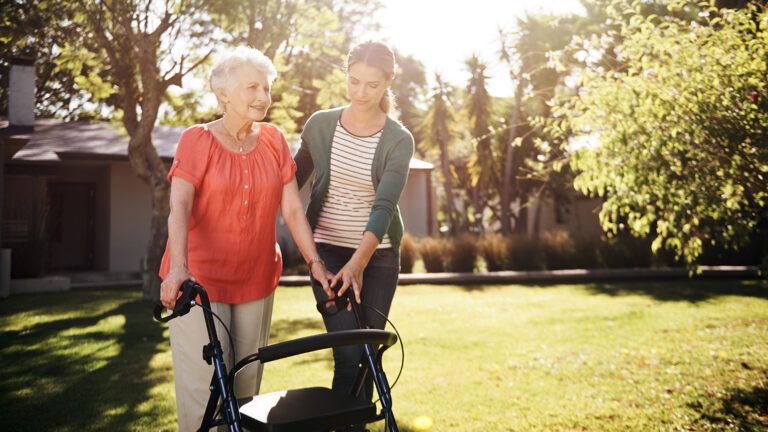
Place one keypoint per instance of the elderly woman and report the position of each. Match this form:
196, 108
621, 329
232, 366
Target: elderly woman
227, 181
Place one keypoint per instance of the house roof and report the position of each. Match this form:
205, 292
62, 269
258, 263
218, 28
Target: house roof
55, 140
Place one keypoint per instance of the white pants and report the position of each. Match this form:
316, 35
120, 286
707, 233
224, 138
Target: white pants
249, 325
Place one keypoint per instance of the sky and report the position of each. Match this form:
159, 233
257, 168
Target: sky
442, 34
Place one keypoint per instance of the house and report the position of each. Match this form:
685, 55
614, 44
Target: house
70, 201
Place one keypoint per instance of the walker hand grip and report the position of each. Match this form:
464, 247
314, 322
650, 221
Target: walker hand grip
187, 294
158, 314
340, 302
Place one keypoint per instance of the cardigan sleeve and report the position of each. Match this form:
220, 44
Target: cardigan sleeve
304, 164
390, 187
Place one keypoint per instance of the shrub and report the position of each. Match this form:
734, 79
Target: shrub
559, 250
624, 251
524, 254
408, 253
433, 252
586, 253
462, 254
494, 248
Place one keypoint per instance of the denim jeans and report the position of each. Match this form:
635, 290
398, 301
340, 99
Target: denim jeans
379, 283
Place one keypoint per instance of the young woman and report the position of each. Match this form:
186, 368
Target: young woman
227, 181
360, 158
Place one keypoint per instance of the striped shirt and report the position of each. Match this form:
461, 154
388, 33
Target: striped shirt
347, 205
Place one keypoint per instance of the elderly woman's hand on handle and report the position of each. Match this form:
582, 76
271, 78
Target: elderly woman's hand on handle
169, 289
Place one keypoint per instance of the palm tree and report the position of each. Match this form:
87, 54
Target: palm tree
536, 80
437, 130
481, 162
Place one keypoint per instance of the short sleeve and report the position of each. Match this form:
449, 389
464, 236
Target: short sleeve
287, 165
191, 160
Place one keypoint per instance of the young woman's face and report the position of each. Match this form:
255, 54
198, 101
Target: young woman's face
366, 85
249, 96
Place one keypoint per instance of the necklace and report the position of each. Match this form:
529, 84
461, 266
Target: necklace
240, 143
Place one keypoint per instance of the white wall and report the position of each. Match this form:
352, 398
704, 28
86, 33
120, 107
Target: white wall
130, 218
414, 203
581, 219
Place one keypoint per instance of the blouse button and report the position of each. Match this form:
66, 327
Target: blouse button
245, 202
246, 186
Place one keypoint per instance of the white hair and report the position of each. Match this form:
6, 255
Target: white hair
228, 61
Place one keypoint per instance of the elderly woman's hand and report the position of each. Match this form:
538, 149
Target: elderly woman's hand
323, 276
169, 289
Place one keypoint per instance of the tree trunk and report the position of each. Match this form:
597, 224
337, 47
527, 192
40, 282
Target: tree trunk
507, 183
446, 168
478, 209
148, 166
158, 236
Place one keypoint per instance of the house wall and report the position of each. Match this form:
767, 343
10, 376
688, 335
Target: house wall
415, 203
579, 217
130, 218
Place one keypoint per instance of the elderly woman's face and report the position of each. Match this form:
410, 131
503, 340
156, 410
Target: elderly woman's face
249, 95
366, 85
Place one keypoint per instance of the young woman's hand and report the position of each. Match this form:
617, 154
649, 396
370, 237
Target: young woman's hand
351, 275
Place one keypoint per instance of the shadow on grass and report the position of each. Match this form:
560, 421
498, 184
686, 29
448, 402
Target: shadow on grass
740, 409
72, 377
690, 290
286, 329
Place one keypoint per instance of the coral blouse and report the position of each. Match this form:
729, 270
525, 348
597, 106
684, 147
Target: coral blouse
231, 247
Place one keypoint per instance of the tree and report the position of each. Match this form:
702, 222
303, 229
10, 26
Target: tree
437, 130
34, 29
531, 152
479, 108
682, 129
306, 40
136, 41
409, 88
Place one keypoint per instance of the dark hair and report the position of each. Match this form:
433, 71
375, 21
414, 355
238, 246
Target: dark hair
378, 55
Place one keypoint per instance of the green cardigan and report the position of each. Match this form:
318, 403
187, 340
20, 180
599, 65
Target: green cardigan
389, 171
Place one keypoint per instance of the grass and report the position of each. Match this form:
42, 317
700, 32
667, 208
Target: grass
685, 355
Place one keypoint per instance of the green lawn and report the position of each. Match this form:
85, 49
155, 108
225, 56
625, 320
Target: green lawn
685, 355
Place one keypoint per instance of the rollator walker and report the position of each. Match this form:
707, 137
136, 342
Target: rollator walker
299, 410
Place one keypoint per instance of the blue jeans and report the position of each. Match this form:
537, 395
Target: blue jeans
379, 283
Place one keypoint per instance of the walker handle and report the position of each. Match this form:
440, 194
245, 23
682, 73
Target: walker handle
187, 298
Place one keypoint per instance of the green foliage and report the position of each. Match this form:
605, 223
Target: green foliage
332, 89
409, 88
483, 178
530, 151
682, 127
439, 131
41, 30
